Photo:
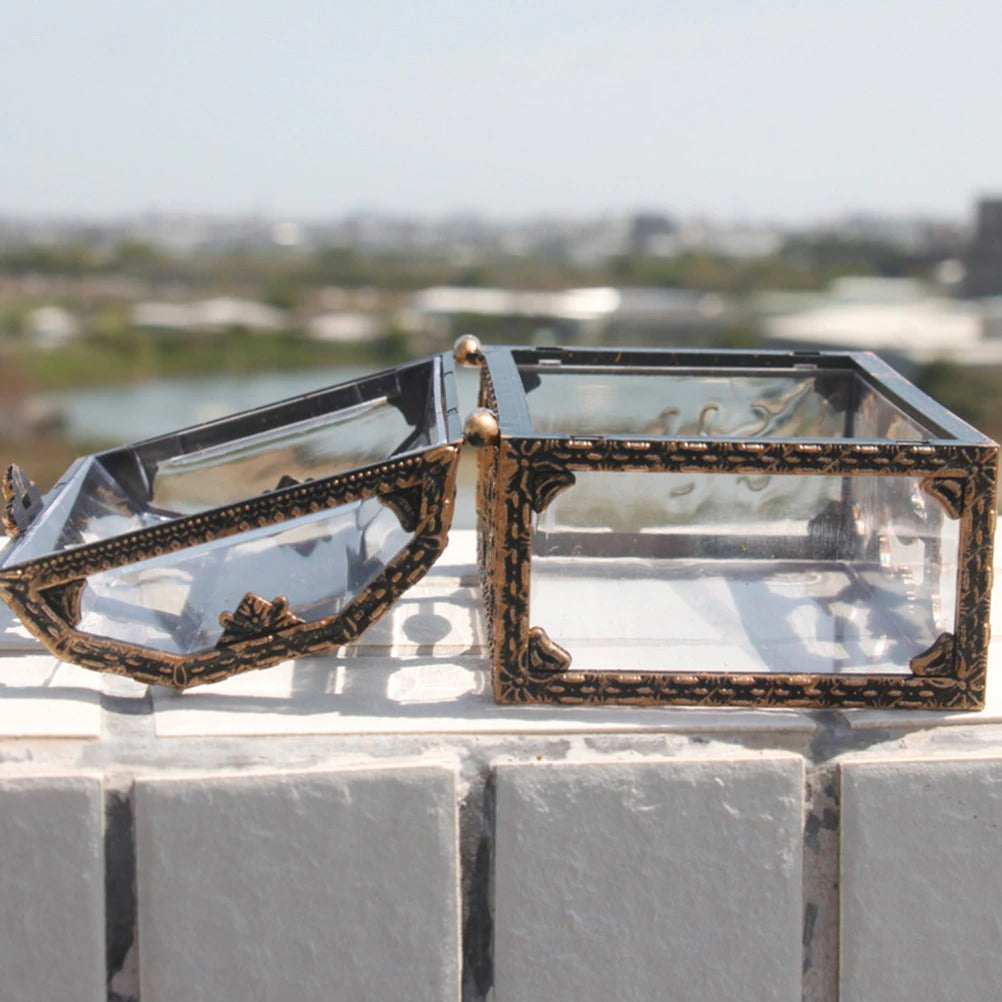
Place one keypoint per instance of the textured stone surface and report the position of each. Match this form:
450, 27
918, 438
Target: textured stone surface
921, 880
51, 890
647, 880
318, 886
44, 698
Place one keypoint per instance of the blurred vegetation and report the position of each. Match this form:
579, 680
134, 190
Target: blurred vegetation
290, 269
974, 394
35, 444
131, 355
802, 262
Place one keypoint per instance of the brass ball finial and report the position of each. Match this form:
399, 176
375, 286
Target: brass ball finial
467, 350
481, 428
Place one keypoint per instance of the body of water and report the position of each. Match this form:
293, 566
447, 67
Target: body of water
114, 415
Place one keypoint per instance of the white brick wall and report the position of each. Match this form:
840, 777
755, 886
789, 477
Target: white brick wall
637, 881
305, 887
921, 887
51, 889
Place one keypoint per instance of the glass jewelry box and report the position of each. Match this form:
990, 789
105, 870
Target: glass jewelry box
654, 527
729, 528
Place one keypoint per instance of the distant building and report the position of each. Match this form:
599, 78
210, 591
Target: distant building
648, 231
984, 256
898, 318
344, 327
162, 317
212, 315
675, 316
227, 313
587, 315
52, 326
874, 289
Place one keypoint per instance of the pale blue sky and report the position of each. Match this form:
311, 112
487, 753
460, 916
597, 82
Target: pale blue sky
767, 109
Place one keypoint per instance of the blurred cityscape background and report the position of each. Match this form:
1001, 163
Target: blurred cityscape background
207, 207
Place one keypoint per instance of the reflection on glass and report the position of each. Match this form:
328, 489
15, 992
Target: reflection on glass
103, 509
702, 402
304, 450
172, 603
737, 573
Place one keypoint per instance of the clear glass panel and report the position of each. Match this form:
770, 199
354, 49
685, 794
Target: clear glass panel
304, 450
786, 403
316, 436
102, 510
877, 417
738, 573
44, 533
172, 603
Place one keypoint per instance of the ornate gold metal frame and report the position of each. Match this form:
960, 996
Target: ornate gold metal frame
417, 484
521, 471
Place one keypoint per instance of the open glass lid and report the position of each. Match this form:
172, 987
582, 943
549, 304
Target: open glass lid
276, 533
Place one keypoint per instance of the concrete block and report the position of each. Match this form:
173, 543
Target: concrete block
641, 880
52, 889
921, 880
418, 695
310, 886
43, 698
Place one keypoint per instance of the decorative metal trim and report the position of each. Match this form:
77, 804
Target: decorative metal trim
519, 474
406, 505
823, 457
938, 659
545, 657
22, 500
545, 483
256, 617
9, 502
64, 600
948, 491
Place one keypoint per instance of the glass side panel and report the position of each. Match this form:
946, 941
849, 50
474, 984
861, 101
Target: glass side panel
101, 510
50, 524
172, 603
731, 573
876, 417
786, 403
305, 450
248, 455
